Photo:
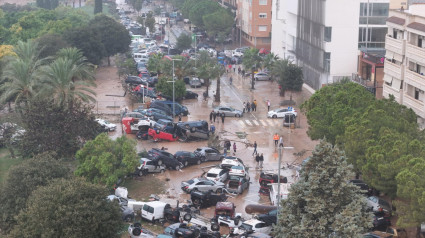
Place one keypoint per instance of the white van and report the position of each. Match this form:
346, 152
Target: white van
284, 192
152, 211
138, 57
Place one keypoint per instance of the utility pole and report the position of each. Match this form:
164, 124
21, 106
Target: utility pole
174, 111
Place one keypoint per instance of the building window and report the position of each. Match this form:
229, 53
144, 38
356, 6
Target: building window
262, 28
262, 15
327, 61
374, 36
374, 13
263, 2
328, 34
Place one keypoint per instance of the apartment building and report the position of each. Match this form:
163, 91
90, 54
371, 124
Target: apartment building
253, 20
405, 57
325, 36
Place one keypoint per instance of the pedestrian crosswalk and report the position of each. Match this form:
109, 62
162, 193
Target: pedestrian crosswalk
256, 122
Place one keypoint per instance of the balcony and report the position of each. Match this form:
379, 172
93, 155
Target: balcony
415, 79
388, 90
394, 45
416, 105
393, 70
416, 53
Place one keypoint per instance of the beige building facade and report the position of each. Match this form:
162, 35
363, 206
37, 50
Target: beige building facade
404, 65
253, 20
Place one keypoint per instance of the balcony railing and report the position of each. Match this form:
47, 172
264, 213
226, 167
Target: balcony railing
415, 79
393, 69
416, 105
416, 53
368, 84
388, 90
394, 45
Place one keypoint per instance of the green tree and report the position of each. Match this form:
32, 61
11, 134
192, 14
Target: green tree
252, 61
322, 203
150, 22
20, 75
201, 9
166, 87
292, 80
89, 41
51, 127
270, 60
411, 190
104, 161
217, 70
154, 63
206, 68
22, 180
114, 37
69, 208
218, 23
82, 69
184, 42
50, 44
327, 110
98, 7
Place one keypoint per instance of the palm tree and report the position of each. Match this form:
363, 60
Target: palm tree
154, 63
279, 71
269, 60
217, 70
58, 82
252, 60
20, 75
205, 69
84, 69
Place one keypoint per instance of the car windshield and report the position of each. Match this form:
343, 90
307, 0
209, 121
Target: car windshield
234, 178
212, 175
106, 122
246, 227
190, 181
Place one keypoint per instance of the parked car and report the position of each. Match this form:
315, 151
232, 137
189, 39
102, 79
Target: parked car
148, 166
239, 170
228, 111
281, 112
237, 184
127, 213
206, 199
190, 95
217, 174
135, 230
168, 107
208, 154
195, 82
186, 158
376, 203
137, 115
230, 161
253, 225
202, 184
269, 218
261, 76
154, 113
106, 124
365, 189
134, 80
194, 129
164, 158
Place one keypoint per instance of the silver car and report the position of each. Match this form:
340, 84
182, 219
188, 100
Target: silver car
228, 111
203, 185
208, 154
261, 76
148, 166
195, 83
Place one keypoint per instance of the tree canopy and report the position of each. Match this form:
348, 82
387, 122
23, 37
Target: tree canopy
166, 88
104, 160
184, 41
252, 61
69, 208
322, 203
218, 23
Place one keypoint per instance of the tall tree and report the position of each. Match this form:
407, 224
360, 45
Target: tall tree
104, 161
69, 208
114, 37
252, 61
22, 180
218, 23
166, 88
292, 80
154, 63
83, 69
322, 203
200, 9
50, 44
206, 68
89, 41
184, 41
217, 70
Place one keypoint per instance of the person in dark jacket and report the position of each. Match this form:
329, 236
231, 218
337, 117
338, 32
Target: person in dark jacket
211, 116
261, 159
218, 115
222, 117
214, 115
253, 107
248, 106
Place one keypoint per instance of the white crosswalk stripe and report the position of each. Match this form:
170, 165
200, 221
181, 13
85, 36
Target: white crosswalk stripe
256, 123
248, 122
265, 123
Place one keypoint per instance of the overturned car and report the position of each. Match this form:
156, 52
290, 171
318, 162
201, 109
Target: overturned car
194, 130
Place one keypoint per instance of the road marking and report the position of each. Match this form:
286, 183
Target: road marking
256, 123
248, 122
241, 122
263, 122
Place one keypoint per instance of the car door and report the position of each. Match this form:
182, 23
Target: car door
212, 154
227, 112
282, 112
209, 185
201, 186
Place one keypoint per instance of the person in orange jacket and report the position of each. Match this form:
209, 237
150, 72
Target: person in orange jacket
276, 139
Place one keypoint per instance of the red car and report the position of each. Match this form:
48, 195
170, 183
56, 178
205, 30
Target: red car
158, 135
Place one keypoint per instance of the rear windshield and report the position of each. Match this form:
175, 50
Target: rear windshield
246, 227
237, 167
211, 175
190, 181
233, 184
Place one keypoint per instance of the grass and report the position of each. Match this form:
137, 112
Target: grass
140, 188
6, 161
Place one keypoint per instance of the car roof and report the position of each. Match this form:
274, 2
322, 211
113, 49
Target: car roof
215, 170
252, 222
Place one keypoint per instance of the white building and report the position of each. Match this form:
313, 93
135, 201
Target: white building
405, 57
325, 35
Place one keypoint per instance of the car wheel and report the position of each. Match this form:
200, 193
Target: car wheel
198, 162
237, 115
219, 190
215, 227
187, 217
136, 231
141, 173
274, 116
162, 171
203, 158
197, 202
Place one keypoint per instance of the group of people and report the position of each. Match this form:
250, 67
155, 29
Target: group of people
241, 71
214, 115
247, 106
278, 140
227, 145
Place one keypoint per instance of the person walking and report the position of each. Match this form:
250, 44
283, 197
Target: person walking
252, 106
211, 116
222, 117
281, 142
276, 139
255, 103
255, 148
257, 161
260, 161
268, 105
244, 107
231, 80
239, 70
234, 148
248, 106
243, 73
212, 128
214, 115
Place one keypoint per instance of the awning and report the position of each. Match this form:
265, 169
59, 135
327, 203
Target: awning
388, 78
396, 20
396, 84
389, 55
417, 26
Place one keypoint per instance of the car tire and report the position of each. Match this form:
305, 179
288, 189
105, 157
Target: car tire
274, 116
157, 131
215, 227
187, 217
174, 136
198, 162
140, 173
193, 129
162, 171
203, 158
136, 231
159, 162
186, 163
237, 115
219, 190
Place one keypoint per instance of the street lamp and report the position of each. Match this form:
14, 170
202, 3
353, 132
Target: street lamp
174, 114
196, 46
278, 177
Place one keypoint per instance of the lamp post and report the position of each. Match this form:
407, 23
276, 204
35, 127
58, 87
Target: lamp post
280, 149
174, 114
196, 46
